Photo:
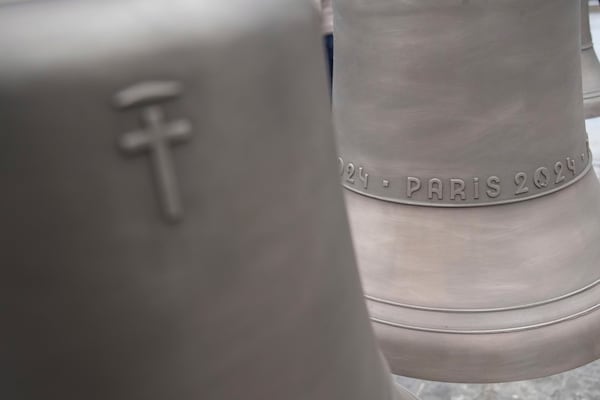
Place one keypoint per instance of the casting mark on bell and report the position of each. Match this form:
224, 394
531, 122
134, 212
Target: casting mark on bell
156, 137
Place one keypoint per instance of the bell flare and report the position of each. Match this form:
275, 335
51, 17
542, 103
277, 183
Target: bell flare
487, 294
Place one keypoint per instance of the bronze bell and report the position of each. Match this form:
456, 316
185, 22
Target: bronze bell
171, 224
590, 66
473, 209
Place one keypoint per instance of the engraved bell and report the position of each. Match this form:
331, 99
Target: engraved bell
590, 66
217, 269
472, 206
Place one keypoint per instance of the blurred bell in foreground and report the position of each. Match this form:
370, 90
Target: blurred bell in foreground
171, 224
590, 66
472, 206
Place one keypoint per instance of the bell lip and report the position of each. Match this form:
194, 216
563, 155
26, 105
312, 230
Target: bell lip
537, 358
463, 349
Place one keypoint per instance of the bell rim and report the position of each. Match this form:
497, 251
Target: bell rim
532, 357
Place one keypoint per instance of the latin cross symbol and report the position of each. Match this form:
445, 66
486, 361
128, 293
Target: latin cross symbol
156, 137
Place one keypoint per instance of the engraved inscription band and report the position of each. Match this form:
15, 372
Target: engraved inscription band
472, 191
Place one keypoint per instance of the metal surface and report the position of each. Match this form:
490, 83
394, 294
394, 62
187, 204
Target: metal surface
590, 66
253, 293
478, 102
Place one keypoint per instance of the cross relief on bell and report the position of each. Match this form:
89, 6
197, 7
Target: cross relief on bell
156, 137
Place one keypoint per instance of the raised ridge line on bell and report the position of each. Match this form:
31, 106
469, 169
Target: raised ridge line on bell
489, 331
485, 310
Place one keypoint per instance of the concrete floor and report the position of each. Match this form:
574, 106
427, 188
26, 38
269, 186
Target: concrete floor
579, 384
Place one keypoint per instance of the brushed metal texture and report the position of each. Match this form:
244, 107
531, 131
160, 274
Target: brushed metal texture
444, 90
237, 283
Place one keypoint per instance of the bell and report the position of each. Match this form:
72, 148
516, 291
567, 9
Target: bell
590, 66
171, 224
472, 206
